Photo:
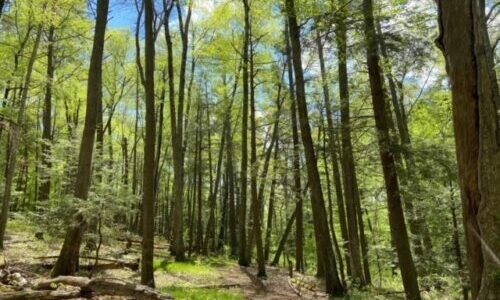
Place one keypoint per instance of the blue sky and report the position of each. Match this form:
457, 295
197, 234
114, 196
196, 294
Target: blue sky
122, 14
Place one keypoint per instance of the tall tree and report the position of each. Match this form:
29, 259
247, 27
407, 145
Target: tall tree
242, 213
44, 191
465, 44
67, 263
297, 189
396, 216
148, 198
323, 240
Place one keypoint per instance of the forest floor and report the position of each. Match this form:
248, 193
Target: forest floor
200, 278
216, 278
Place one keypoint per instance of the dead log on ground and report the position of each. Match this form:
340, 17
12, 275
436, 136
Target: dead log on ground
111, 263
85, 287
41, 295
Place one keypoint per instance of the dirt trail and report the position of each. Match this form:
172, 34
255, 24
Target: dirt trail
277, 286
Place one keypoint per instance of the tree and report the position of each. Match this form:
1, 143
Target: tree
396, 216
67, 263
297, 189
243, 256
147, 276
47, 116
323, 240
465, 44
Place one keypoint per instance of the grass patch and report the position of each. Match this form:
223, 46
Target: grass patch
191, 268
20, 224
202, 294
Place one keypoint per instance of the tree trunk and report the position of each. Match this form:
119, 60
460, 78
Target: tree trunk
270, 210
242, 214
199, 193
297, 189
396, 216
333, 283
209, 242
67, 263
256, 231
44, 191
330, 211
466, 47
148, 199
284, 238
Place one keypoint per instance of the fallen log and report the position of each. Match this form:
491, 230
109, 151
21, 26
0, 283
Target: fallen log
112, 263
41, 295
84, 287
52, 283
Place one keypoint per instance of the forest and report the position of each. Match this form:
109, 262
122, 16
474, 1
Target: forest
249, 149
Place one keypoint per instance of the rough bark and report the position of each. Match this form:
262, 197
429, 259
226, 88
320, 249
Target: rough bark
467, 50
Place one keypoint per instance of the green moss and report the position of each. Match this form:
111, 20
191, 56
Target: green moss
202, 294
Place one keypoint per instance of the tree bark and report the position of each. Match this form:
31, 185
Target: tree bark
469, 62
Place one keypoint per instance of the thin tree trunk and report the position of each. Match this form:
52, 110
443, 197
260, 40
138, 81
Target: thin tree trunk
44, 191
284, 238
270, 210
330, 206
209, 242
199, 193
